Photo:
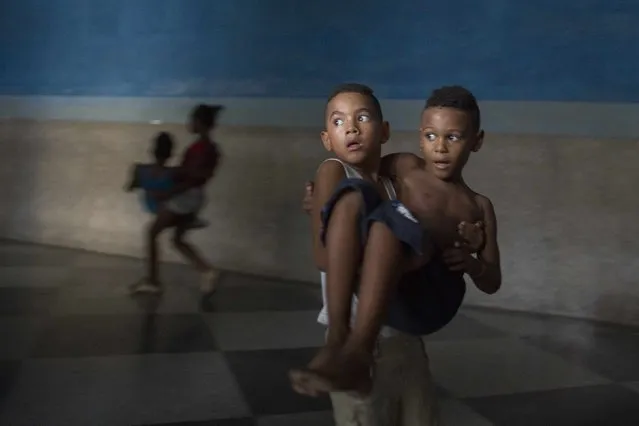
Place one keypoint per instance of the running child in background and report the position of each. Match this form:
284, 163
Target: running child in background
180, 204
156, 177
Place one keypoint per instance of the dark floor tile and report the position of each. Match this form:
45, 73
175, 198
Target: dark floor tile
90, 260
463, 327
48, 277
263, 378
8, 371
25, 301
37, 256
226, 422
611, 354
124, 390
100, 292
605, 405
18, 335
524, 324
103, 335
240, 293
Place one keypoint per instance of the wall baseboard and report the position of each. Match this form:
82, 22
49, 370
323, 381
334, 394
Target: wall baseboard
599, 120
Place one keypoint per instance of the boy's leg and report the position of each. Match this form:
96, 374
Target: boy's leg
198, 223
163, 220
343, 247
403, 391
381, 269
187, 205
392, 228
187, 250
344, 230
350, 367
419, 405
349, 410
344, 252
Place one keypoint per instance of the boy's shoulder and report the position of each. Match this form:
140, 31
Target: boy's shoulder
331, 168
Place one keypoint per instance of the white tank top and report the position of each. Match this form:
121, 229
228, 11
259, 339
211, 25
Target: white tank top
352, 173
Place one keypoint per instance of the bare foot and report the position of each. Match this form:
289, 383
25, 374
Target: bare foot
209, 282
323, 358
333, 370
145, 286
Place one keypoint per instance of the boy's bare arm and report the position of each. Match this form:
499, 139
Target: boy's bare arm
487, 277
328, 176
396, 166
133, 182
485, 269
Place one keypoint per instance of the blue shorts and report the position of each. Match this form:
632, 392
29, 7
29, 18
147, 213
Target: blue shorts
374, 209
425, 300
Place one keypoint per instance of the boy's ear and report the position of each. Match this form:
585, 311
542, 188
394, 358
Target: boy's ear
326, 141
385, 132
479, 141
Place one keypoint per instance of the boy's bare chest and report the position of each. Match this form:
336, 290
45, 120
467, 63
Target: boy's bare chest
428, 198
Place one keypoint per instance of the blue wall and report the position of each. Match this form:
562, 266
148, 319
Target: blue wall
546, 50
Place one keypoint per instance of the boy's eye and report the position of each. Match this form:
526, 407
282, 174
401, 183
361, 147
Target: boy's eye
453, 138
364, 118
430, 137
338, 122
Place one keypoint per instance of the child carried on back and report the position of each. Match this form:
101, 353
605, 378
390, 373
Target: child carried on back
157, 177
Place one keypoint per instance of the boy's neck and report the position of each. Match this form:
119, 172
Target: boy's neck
457, 180
368, 170
206, 136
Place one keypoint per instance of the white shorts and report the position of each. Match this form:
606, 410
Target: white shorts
188, 202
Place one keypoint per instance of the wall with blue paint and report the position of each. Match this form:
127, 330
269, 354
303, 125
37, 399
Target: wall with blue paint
83, 68
536, 50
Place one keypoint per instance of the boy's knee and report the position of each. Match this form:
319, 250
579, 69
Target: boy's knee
379, 229
392, 220
152, 232
177, 240
351, 201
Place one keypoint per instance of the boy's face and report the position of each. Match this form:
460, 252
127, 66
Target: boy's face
354, 130
447, 139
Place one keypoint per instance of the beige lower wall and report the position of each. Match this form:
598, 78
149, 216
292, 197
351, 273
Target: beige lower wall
567, 208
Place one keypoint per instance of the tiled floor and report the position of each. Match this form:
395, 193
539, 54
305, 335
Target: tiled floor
77, 350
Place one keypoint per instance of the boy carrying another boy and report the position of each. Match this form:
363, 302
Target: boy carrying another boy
386, 241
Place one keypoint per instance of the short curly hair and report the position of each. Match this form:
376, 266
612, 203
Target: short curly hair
362, 89
457, 97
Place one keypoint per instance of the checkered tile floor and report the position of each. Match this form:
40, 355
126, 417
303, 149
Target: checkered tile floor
77, 350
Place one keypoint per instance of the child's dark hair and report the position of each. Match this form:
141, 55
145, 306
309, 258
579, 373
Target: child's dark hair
362, 90
456, 97
206, 114
163, 146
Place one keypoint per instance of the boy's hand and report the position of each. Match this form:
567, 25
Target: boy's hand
459, 259
473, 235
307, 202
